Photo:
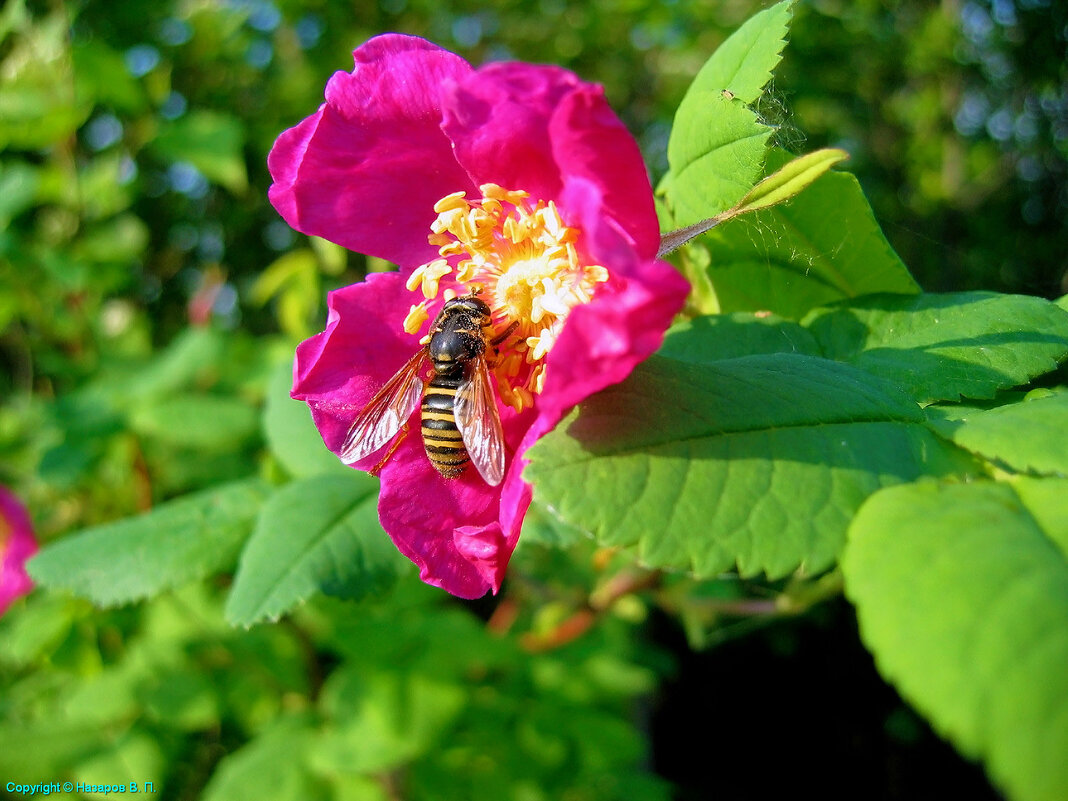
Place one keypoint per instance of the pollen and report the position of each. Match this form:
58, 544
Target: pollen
427, 276
521, 257
417, 315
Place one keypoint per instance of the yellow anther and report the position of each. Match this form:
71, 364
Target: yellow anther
453, 248
417, 315
539, 346
596, 273
522, 399
509, 365
495, 192
427, 277
523, 258
450, 202
537, 378
467, 270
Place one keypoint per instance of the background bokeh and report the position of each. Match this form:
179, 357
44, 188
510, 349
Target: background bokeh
139, 257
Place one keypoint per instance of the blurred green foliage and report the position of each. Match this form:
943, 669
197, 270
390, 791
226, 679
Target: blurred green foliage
133, 185
148, 293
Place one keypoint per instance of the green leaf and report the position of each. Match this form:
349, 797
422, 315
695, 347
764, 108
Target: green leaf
788, 181
962, 595
822, 246
293, 279
271, 765
18, 190
181, 698
1025, 436
177, 542
383, 718
133, 758
318, 534
30, 630
205, 422
944, 346
728, 336
211, 142
101, 76
187, 359
717, 143
119, 240
757, 462
291, 434
38, 104
43, 751
782, 185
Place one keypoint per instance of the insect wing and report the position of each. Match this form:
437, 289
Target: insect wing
386, 413
480, 424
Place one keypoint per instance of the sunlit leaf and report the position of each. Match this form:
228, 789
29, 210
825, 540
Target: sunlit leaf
208, 422
1026, 436
43, 751
383, 719
318, 534
135, 757
962, 595
717, 142
291, 435
944, 346
782, 185
822, 246
271, 765
18, 188
192, 354
38, 104
177, 542
756, 462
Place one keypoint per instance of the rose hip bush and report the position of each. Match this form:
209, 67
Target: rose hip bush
722, 396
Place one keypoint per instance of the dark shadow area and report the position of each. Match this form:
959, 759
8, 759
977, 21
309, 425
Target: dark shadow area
797, 705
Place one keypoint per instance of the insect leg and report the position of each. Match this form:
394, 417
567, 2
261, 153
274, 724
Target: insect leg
507, 333
392, 449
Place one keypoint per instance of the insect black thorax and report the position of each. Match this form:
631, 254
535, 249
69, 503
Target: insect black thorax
457, 337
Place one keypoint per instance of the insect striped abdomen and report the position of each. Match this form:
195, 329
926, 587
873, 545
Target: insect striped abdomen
441, 438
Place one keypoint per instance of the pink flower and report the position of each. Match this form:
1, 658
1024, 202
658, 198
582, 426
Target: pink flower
16, 546
514, 180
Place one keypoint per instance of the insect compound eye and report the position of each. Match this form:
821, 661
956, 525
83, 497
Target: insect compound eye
475, 306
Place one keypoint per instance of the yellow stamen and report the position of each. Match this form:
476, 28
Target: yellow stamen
417, 315
522, 257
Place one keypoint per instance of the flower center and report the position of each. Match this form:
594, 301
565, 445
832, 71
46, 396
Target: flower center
521, 258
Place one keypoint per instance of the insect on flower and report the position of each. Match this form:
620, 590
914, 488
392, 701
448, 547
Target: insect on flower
460, 422
519, 212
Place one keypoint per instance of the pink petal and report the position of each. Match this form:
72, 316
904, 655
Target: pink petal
536, 127
339, 370
603, 340
365, 170
589, 142
448, 527
17, 545
498, 119
411, 124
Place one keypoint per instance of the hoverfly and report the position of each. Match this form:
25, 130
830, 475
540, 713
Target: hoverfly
460, 422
